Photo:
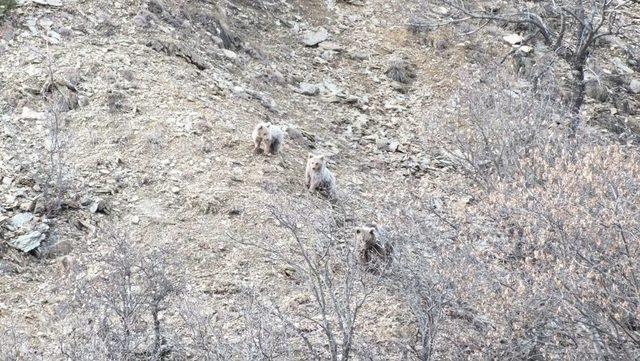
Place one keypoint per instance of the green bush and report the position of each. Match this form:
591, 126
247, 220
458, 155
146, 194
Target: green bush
6, 5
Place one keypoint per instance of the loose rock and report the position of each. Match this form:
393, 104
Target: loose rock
30, 114
309, 89
513, 39
330, 45
634, 86
621, 66
28, 242
99, 205
313, 38
58, 249
21, 219
48, 2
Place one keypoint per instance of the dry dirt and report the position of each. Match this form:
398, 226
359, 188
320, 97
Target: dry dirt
167, 145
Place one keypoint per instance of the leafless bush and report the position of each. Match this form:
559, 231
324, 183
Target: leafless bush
401, 70
426, 297
117, 103
213, 18
55, 182
499, 128
546, 246
569, 246
421, 276
338, 288
569, 28
260, 333
424, 273
202, 337
118, 315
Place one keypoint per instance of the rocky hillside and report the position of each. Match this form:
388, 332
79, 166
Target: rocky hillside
126, 133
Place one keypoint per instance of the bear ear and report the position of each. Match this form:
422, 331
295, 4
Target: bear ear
371, 231
267, 124
358, 230
310, 155
321, 157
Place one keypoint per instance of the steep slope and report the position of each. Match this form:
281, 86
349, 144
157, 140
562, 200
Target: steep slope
159, 144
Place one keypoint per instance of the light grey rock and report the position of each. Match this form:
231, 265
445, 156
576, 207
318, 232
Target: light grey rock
99, 205
294, 133
28, 242
145, 19
331, 87
229, 54
621, 66
513, 39
327, 55
525, 49
313, 38
309, 89
57, 249
30, 114
48, 2
359, 55
382, 143
394, 146
20, 220
330, 45
634, 86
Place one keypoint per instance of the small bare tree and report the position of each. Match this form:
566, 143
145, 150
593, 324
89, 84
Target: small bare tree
202, 335
337, 284
113, 311
54, 185
426, 297
570, 28
498, 130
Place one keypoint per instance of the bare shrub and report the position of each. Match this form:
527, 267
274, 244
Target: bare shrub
118, 314
202, 337
569, 247
498, 127
426, 295
15, 343
260, 335
55, 167
569, 28
401, 70
117, 103
337, 287
213, 18
546, 245
423, 276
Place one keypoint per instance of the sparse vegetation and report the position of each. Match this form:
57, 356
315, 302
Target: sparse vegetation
569, 28
6, 6
469, 213
401, 71
499, 130
335, 287
54, 181
119, 315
